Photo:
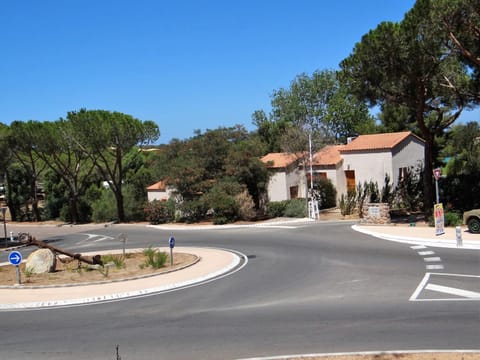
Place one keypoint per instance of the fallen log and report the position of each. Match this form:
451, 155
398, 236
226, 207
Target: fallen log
30, 240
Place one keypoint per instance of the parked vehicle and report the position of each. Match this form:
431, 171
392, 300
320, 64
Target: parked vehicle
472, 220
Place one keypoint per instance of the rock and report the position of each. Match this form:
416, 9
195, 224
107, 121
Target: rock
41, 261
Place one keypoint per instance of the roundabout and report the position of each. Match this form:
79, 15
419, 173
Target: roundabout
207, 264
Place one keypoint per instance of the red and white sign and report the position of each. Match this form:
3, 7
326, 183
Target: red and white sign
437, 173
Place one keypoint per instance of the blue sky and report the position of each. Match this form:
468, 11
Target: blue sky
184, 64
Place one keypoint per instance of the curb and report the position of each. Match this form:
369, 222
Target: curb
363, 353
130, 294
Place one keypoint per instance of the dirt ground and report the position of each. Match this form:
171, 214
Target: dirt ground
69, 272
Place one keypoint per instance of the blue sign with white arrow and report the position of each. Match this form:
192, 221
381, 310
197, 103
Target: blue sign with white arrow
15, 258
171, 242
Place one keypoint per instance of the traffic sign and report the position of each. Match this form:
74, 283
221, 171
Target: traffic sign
437, 173
15, 258
171, 242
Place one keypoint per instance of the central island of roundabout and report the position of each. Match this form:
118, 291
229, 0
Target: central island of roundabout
209, 264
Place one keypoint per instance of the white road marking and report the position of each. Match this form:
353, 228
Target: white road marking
463, 295
103, 238
435, 267
423, 253
432, 259
420, 287
418, 247
453, 291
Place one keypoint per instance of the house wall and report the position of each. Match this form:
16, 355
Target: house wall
369, 166
336, 176
341, 182
281, 181
407, 154
159, 195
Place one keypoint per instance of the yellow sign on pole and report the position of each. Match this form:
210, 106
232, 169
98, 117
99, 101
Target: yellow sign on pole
439, 219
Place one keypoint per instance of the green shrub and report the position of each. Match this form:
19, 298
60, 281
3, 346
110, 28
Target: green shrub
453, 218
348, 203
296, 208
117, 260
192, 211
327, 192
105, 208
155, 258
409, 192
223, 201
160, 212
450, 218
276, 208
287, 208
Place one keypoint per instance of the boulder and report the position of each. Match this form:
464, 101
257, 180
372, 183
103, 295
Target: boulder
41, 261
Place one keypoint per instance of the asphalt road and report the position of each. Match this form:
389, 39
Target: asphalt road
314, 288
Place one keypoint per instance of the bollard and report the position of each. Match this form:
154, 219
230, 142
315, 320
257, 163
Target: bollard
458, 233
11, 236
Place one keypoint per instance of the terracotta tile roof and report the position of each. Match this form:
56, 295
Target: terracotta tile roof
159, 186
280, 160
329, 155
377, 141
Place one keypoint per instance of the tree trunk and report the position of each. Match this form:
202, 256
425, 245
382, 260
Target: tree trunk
33, 194
428, 176
74, 208
120, 209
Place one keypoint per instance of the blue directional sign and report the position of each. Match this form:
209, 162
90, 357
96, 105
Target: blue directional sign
171, 242
15, 258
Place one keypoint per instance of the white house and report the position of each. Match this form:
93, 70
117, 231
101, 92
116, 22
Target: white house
287, 177
364, 159
370, 157
159, 191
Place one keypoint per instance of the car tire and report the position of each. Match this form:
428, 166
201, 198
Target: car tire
474, 225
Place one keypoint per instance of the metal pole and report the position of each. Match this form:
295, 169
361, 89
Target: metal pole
436, 190
17, 270
310, 207
4, 210
311, 160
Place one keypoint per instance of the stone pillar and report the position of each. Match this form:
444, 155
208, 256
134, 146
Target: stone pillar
376, 213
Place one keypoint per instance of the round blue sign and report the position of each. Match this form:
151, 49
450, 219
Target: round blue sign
171, 242
15, 258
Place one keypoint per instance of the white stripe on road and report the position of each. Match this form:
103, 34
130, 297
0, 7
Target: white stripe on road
432, 259
453, 291
418, 247
423, 253
435, 267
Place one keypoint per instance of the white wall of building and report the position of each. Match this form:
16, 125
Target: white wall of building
410, 154
369, 166
160, 195
280, 183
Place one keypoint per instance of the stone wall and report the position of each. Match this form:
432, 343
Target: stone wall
375, 213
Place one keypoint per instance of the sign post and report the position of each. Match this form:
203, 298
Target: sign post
437, 173
171, 243
123, 238
15, 258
